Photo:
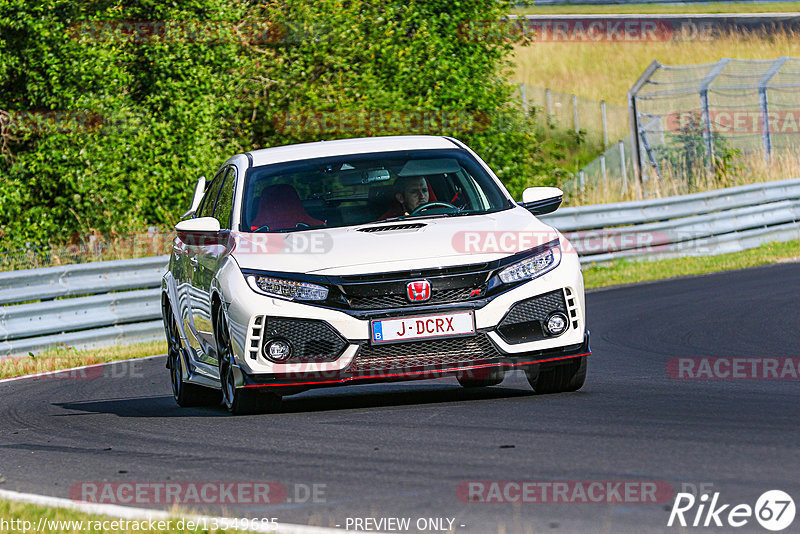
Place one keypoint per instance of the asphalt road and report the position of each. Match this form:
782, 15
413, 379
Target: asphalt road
404, 450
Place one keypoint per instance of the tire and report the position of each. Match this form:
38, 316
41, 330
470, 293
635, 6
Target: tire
480, 378
561, 377
184, 393
238, 401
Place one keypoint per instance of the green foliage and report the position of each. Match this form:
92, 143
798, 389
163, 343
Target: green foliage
106, 127
687, 152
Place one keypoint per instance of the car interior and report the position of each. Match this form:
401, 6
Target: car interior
352, 194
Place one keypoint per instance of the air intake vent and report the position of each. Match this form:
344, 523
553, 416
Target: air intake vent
573, 309
254, 338
371, 229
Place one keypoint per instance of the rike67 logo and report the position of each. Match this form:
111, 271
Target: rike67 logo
774, 510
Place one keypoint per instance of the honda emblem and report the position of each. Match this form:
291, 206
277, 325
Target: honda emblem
418, 291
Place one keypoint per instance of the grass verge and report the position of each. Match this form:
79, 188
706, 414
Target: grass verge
24, 517
630, 271
709, 7
65, 358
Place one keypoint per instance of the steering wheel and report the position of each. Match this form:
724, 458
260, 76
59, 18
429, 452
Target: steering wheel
429, 205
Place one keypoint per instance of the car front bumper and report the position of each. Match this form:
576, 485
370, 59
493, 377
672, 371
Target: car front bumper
354, 358
311, 378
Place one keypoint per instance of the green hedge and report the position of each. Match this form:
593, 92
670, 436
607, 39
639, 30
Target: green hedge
107, 124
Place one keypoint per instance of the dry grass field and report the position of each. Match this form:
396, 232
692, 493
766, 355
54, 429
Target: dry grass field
606, 70
710, 7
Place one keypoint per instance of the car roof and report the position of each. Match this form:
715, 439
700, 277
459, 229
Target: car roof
343, 147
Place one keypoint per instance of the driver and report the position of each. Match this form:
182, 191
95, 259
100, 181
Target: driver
410, 193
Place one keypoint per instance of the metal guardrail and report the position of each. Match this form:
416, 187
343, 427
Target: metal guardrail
643, 211
81, 279
709, 223
113, 302
89, 304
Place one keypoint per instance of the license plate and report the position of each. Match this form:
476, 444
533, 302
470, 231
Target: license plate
423, 327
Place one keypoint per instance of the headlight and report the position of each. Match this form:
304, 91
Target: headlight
532, 267
287, 289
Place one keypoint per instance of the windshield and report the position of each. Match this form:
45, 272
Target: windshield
365, 188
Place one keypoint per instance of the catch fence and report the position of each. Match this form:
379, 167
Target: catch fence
694, 120
599, 123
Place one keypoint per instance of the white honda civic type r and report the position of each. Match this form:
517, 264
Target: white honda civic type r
362, 261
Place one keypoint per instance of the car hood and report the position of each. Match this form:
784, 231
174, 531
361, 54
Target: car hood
396, 246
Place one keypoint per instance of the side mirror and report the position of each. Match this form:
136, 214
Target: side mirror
201, 224
199, 189
541, 200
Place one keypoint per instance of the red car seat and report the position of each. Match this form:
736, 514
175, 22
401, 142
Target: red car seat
280, 208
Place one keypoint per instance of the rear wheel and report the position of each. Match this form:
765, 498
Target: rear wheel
184, 393
479, 378
238, 401
560, 377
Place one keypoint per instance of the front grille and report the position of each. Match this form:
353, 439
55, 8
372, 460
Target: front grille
421, 354
397, 300
524, 322
312, 341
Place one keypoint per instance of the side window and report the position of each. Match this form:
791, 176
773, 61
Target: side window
225, 201
207, 206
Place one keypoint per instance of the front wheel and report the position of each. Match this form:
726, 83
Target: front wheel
238, 401
184, 393
558, 377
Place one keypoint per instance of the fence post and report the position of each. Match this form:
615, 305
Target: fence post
634, 115
764, 104
524, 98
575, 113
604, 173
548, 105
605, 123
706, 113
623, 167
